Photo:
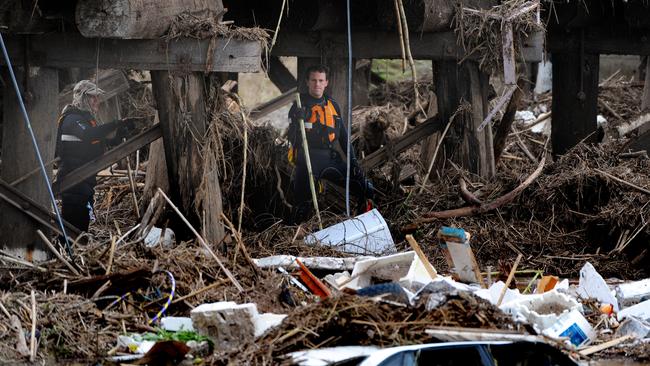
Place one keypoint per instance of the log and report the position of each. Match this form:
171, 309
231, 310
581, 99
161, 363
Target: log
475, 210
181, 101
421, 15
137, 19
19, 158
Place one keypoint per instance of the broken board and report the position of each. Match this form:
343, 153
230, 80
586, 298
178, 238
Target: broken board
459, 254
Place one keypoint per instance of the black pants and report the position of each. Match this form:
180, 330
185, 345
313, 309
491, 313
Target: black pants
326, 165
76, 205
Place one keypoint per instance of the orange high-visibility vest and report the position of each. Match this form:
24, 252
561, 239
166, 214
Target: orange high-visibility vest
325, 116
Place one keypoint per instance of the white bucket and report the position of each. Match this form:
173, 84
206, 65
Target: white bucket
366, 234
574, 326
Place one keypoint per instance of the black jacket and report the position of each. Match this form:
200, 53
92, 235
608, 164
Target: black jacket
80, 139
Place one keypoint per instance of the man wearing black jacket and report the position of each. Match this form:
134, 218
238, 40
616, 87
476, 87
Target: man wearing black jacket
81, 139
327, 141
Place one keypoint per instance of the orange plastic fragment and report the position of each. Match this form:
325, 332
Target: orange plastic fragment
547, 283
314, 285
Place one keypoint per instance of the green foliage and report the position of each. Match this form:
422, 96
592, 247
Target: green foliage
391, 70
181, 336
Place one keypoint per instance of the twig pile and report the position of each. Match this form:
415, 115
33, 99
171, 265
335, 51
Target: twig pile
479, 32
205, 27
366, 322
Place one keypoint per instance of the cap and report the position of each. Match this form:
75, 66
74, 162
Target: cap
87, 87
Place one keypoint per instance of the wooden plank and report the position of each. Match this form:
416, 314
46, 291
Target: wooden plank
602, 41
27, 206
18, 156
280, 75
274, 104
574, 106
385, 44
603, 346
65, 50
399, 145
91, 168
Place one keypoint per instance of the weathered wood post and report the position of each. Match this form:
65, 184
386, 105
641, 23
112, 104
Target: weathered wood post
18, 156
463, 144
181, 100
575, 99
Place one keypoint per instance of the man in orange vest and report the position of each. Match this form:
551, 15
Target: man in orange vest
327, 139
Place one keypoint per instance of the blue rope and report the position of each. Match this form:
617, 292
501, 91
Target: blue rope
349, 115
28, 124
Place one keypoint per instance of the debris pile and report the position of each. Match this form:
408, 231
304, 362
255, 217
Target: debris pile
135, 291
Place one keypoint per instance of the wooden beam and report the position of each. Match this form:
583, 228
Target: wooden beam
181, 101
18, 156
384, 44
575, 100
602, 41
33, 209
402, 143
274, 104
65, 50
280, 75
91, 168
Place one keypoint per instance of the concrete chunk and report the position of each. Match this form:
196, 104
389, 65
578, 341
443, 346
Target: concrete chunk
228, 324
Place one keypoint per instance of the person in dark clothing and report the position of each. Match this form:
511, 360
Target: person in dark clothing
327, 139
81, 139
